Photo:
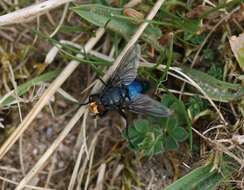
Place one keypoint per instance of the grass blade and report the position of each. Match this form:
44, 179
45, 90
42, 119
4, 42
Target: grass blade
23, 88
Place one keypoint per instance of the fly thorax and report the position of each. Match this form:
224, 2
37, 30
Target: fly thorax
113, 97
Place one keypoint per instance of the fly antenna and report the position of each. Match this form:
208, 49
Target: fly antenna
83, 104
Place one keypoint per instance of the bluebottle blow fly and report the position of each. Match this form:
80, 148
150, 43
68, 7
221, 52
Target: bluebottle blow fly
124, 92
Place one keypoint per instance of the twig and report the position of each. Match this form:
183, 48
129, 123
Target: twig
31, 12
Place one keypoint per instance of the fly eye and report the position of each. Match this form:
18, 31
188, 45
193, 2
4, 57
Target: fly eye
91, 99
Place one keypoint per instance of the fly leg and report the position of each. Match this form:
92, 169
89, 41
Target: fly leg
126, 120
102, 81
122, 113
99, 115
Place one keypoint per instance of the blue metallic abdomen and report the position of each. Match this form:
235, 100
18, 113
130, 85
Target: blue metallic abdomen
136, 88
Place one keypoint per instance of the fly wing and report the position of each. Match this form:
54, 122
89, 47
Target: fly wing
127, 70
143, 104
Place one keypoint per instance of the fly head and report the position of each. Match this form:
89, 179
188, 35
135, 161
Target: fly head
95, 105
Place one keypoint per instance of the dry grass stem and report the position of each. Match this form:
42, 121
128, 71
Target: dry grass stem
116, 173
151, 181
179, 92
90, 157
26, 186
51, 170
31, 12
101, 176
81, 141
76, 168
61, 20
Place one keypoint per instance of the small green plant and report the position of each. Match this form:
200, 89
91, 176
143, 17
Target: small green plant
196, 105
216, 72
193, 38
153, 135
208, 54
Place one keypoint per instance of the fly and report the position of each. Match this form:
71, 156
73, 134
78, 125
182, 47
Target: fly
123, 92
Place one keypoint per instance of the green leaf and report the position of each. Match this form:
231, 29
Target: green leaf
216, 71
23, 88
179, 134
146, 137
158, 146
196, 105
170, 143
201, 178
208, 54
142, 126
114, 20
193, 39
180, 116
216, 89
